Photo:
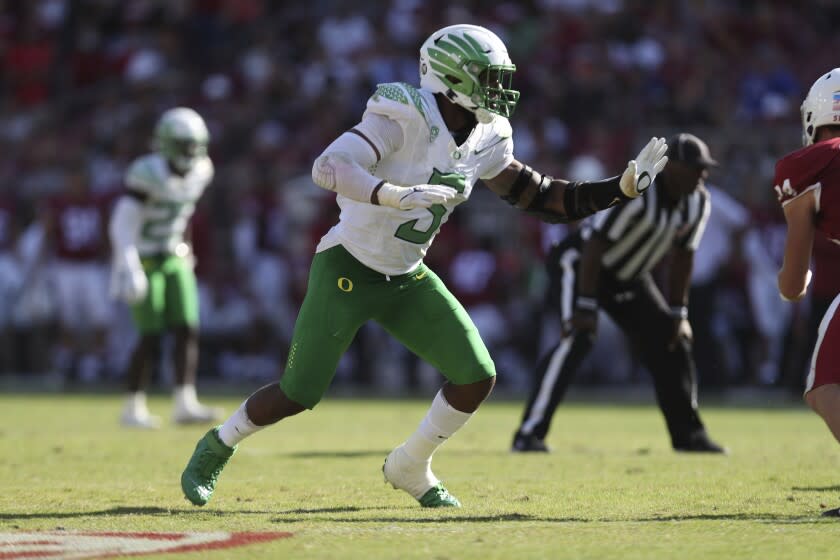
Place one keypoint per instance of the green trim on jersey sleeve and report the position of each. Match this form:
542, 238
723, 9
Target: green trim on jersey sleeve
415, 98
390, 91
400, 92
398, 101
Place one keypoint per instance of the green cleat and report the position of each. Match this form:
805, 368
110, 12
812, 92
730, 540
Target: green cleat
438, 496
209, 458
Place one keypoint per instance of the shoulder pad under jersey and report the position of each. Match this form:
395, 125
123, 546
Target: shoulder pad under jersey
501, 127
146, 174
801, 170
399, 101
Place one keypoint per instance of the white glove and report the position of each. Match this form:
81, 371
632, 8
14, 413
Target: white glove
128, 280
418, 196
641, 171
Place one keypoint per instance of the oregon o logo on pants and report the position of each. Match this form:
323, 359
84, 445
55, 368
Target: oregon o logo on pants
345, 284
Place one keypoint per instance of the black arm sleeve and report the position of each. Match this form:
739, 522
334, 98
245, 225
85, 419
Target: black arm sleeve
519, 185
587, 197
580, 199
537, 205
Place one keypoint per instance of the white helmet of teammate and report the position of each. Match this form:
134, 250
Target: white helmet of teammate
181, 137
471, 67
821, 106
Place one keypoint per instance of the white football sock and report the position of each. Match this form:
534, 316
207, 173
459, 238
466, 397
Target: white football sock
135, 404
439, 424
185, 397
237, 427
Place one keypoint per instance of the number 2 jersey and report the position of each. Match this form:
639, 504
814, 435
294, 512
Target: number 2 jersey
393, 241
169, 200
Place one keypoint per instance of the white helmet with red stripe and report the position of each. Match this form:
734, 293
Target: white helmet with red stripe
821, 106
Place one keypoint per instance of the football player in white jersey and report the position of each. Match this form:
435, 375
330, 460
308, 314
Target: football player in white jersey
152, 267
416, 154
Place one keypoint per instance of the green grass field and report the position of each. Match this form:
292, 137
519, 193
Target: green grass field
612, 488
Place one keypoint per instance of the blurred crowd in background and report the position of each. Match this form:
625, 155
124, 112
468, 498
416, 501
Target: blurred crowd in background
82, 83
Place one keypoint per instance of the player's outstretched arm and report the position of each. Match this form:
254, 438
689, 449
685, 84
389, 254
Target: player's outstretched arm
558, 200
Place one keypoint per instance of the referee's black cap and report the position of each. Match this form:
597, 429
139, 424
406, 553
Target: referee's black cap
688, 148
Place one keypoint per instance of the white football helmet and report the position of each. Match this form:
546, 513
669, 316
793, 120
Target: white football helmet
471, 67
181, 137
821, 106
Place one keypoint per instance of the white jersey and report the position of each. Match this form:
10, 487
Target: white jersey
169, 203
393, 241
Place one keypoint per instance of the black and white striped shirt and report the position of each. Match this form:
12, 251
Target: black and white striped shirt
642, 230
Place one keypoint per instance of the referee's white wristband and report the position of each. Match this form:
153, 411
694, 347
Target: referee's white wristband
679, 311
588, 303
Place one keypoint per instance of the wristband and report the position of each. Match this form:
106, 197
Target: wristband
679, 311
587, 303
374, 194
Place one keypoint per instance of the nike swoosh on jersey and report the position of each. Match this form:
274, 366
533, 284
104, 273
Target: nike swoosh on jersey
485, 148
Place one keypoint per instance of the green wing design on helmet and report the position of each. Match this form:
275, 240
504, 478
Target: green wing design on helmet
461, 64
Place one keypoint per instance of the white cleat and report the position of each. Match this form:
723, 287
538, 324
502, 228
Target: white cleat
139, 420
404, 473
197, 414
416, 478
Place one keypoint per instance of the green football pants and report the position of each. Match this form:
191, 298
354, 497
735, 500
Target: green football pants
173, 295
416, 308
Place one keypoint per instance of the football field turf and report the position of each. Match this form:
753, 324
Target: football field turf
612, 488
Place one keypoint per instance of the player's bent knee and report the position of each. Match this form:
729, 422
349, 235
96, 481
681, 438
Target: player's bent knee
303, 397
825, 399
468, 397
811, 401
292, 406
480, 388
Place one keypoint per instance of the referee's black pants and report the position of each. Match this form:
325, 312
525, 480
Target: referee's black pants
641, 312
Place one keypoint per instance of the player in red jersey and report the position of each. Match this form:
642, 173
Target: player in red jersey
75, 227
807, 184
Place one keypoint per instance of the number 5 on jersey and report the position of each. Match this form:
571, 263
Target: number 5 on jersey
408, 232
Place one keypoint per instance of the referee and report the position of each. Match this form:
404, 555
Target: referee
607, 265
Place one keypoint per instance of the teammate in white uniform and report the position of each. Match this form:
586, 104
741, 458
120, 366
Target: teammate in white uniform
153, 265
416, 154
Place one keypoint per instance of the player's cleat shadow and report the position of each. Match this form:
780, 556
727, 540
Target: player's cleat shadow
126, 511
335, 454
423, 515
815, 488
340, 509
